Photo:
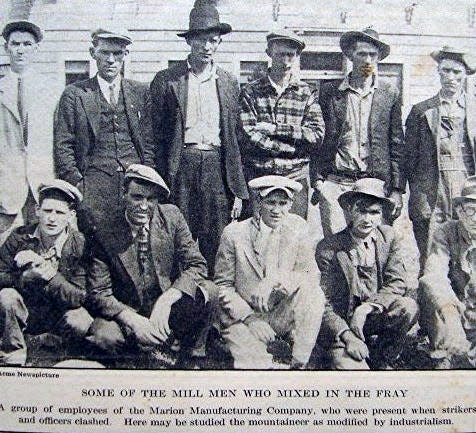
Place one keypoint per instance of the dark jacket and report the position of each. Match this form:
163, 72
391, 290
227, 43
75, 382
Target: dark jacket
385, 130
113, 278
168, 110
77, 124
339, 279
67, 288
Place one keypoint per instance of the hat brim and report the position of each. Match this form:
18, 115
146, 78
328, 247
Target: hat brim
347, 40
439, 55
124, 39
162, 186
347, 196
22, 26
74, 197
264, 192
299, 44
222, 28
459, 200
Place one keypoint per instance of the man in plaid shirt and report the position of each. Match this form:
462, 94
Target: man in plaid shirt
282, 119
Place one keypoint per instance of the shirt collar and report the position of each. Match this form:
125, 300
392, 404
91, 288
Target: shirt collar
345, 85
207, 74
59, 242
372, 237
104, 85
134, 227
293, 82
460, 99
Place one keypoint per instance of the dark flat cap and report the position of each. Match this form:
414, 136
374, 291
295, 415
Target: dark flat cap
22, 26
64, 187
454, 54
148, 174
111, 32
286, 35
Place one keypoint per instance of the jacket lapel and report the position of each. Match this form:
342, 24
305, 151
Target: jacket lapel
223, 90
179, 87
158, 245
131, 113
90, 99
8, 96
253, 253
379, 100
470, 118
340, 105
432, 115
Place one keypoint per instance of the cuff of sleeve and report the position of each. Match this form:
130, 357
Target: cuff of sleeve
379, 307
339, 335
250, 319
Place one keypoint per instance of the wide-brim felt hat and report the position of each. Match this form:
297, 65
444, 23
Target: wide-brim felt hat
286, 35
468, 192
265, 185
366, 187
452, 53
22, 26
147, 174
205, 18
367, 35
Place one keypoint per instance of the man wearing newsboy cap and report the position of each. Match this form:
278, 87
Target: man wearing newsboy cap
147, 278
364, 135
195, 117
448, 286
27, 105
282, 119
440, 141
102, 127
43, 275
268, 281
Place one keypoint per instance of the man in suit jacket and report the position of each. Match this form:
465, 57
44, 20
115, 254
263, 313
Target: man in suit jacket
194, 115
364, 135
102, 127
440, 141
363, 278
146, 280
268, 280
27, 104
43, 275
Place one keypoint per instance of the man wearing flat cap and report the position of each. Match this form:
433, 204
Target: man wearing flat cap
364, 135
440, 141
147, 288
43, 275
282, 119
195, 116
102, 127
447, 294
364, 280
268, 280
27, 104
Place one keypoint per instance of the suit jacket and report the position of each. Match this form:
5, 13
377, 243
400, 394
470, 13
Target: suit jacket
422, 149
77, 124
168, 108
67, 288
339, 278
114, 276
25, 167
385, 133
239, 265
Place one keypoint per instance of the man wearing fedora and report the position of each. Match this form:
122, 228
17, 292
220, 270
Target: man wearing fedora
282, 119
27, 104
363, 278
364, 135
447, 293
147, 278
195, 121
43, 275
440, 141
102, 127
268, 280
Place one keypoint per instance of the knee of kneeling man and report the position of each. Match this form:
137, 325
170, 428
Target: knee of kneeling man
9, 297
78, 321
105, 334
410, 308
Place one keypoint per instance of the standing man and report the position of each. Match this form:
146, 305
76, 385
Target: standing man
364, 135
26, 135
363, 277
195, 116
102, 127
268, 280
282, 119
440, 141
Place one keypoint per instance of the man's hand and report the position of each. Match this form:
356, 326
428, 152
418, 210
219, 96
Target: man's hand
262, 291
236, 209
27, 257
43, 271
455, 341
396, 198
161, 312
261, 330
358, 319
265, 127
141, 327
354, 346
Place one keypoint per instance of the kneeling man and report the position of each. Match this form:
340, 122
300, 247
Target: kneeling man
43, 275
363, 277
268, 279
146, 279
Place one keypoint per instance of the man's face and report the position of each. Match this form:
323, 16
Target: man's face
54, 216
284, 56
467, 215
452, 76
140, 201
364, 58
274, 207
109, 55
364, 218
203, 46
21, 47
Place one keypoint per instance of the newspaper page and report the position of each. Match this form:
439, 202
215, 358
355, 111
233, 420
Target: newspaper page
224, 215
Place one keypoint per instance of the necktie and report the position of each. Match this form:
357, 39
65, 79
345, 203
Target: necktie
22, 109
112, 95
143, 247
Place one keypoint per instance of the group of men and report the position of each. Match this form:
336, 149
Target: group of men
142, 217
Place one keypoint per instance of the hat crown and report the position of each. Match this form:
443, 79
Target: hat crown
203, 17
371, 32
370, 186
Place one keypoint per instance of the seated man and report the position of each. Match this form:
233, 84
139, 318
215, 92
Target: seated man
146, 280
43, 276
268, 280
448, 286
363, 277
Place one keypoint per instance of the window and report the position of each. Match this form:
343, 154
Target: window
76, 70
251, 71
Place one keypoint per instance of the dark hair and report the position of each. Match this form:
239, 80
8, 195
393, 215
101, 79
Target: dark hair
57, 195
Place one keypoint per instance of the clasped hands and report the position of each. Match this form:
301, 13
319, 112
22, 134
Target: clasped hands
35, 267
